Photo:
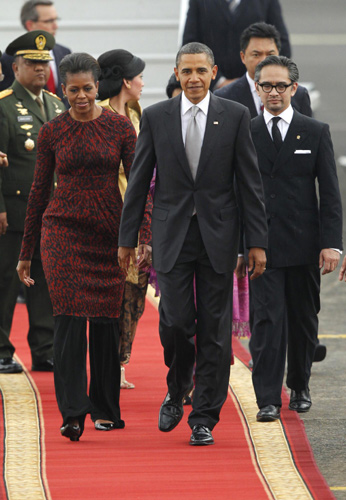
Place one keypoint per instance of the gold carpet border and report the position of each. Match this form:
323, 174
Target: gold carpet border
273, 454
24, 451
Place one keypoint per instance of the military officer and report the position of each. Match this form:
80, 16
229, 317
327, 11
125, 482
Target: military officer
24, 107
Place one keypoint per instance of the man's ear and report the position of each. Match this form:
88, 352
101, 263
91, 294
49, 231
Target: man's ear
294, 88
214, 72
176, 72
29, 25
242, 55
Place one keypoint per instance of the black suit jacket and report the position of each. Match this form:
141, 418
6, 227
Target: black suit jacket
211, 22
239, 91
300, 223
227, 152
59, 52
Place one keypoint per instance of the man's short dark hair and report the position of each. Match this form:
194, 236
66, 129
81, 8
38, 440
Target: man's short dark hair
79, 62
259, 30
29, 11
282, 61
195, 48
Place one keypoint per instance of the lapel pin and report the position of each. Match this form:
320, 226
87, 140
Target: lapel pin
298, 137
216, 123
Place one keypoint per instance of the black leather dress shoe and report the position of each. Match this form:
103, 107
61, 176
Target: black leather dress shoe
320, 353
71, 430
9, 365
171, 412
45, 366
268, 413
109, 426
300, 401
201, 436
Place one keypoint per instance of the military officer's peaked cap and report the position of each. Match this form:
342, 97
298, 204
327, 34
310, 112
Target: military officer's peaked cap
34, 46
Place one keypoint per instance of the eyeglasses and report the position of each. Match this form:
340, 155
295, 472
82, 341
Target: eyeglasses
280, 87
49, 21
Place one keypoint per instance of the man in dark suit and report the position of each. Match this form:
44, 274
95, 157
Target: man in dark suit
195, 229
21, 117
257, 42
219, 24
39, 15
295, 153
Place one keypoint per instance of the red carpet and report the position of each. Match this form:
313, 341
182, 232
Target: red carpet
140, 462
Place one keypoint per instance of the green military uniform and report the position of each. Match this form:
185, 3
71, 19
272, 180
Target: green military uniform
20, 121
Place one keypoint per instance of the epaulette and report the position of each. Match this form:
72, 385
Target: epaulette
51, 93
5, 93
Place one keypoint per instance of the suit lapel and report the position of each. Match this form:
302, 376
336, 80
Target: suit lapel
27, 100
212, 130
173, 129
295, 137
247, 98
262, 139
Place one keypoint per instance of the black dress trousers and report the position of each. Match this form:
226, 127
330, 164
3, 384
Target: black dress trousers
195, 300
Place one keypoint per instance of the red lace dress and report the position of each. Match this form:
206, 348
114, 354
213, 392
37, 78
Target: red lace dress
80, 224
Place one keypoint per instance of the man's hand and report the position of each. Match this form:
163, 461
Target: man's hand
3, 223
240, 270
342, 273
23, 270
144, 256
124, 256
329, 259
257, 262
3, 160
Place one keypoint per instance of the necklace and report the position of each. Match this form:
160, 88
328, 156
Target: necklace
115, 111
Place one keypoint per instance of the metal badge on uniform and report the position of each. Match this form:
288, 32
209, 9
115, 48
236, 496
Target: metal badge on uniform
19, 105
22, 111
26, 126
216, 123
298, 137
57, 109
22, 119
29, 144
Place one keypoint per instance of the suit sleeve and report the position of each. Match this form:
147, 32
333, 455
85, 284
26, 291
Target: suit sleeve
249, 187
274, 16
6, 62
138, 186
305, 105
330, 199
192, 30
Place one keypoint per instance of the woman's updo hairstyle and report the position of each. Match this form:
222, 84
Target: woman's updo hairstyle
78, 62
115, 66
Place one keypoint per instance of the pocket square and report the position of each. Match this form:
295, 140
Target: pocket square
302, 152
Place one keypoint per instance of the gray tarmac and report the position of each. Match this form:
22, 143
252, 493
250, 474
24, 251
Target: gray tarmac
318, 36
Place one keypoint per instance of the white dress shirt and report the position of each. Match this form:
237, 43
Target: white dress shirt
283, 125
256, 97
201, 117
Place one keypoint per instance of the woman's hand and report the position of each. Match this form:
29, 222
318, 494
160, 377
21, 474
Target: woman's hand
144, 256
23, 270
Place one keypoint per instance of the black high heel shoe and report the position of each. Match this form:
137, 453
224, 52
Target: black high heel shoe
71, 430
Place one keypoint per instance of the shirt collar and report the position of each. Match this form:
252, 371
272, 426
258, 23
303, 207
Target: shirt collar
251, 82
186, 104
286, 115
34, 96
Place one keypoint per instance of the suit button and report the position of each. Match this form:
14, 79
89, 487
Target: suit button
273, 195
18, 192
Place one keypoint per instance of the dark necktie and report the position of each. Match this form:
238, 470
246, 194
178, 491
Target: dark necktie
277, 138
41, 106
193, 142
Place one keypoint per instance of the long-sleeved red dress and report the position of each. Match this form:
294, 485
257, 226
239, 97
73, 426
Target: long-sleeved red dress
80, 224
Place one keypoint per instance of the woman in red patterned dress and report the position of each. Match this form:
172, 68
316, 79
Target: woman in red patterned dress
84, 147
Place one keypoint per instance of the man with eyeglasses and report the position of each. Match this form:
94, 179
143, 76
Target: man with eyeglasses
39, 15
295, 154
